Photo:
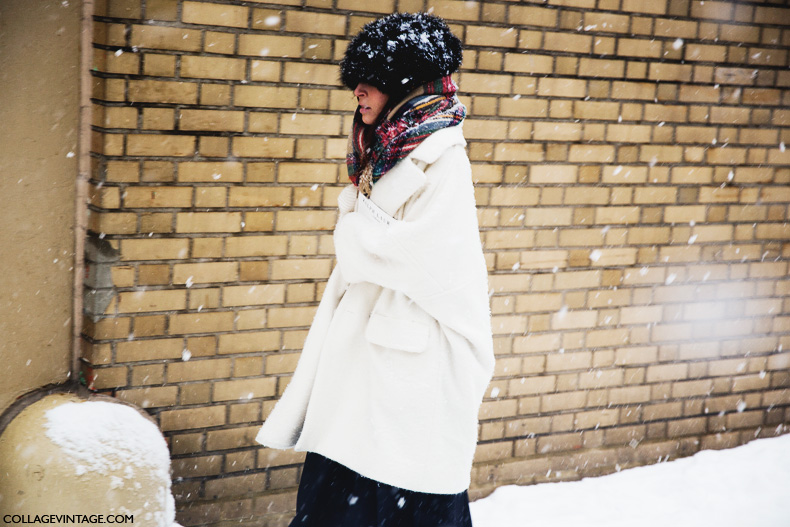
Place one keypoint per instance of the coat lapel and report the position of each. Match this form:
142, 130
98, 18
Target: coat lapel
399, 184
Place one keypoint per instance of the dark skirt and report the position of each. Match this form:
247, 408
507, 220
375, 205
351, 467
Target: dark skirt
332, 495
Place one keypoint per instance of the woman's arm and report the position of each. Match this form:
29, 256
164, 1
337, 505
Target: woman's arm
429, 251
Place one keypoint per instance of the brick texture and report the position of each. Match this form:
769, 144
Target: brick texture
632, 175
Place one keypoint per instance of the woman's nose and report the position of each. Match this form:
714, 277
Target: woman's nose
359, 91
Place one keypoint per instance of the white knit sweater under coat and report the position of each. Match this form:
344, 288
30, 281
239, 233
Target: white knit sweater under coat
400, 352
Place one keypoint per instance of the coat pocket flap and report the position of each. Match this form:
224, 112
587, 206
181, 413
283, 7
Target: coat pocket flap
397, 333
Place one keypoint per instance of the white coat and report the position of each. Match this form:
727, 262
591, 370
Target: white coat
400, 352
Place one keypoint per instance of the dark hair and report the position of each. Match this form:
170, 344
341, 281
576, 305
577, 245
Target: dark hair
400, 52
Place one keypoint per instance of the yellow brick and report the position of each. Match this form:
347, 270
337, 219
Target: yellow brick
452, 10
660, 154
629, 395
573, 320
666, 372
311, 73
196, 171
198, 370
719, 195
201, 323
249, 295
231, 438
486, 83
288, 220
170, 92
136, 301
252, 319
211, 120
670, 72
109, 378
270, 46
112, 223
313, 124
202, 273
146, 350
567, 42
308, 22
647, 195
258, 221
194, 222
256, 246
548, 216
265, 96
555, 131
281, 363
154, 249
563, 401
549, 87
498, 409
268, 147
262, 122
601, 68
214, 14
607, 22
634, 90
210, 197
110, 62
260, 196
532, 16
265, 70
159, 145
521, 107
591, 154
249, 342
159, 65
632, 47
484, 129
244, 390
157, 197
568, 361
302, 268
515, 152
537, 343
685, 214
212, 67
617, 133
169, 38
692, 175
291, 316
528, 63
158, 119
653, 8
484, 36
154, 275
220, 42
150, 397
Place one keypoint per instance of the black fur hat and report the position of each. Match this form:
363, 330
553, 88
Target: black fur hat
399, 52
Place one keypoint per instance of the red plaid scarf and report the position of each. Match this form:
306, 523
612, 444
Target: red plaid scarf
431, 107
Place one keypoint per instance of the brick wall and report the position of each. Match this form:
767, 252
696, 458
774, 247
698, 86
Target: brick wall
633, 188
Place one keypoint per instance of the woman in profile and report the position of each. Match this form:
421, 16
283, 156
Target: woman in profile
388, 387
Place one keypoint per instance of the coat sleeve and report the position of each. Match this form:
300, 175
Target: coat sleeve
435, 248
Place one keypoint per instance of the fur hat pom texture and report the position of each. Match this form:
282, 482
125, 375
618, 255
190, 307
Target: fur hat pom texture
399, 52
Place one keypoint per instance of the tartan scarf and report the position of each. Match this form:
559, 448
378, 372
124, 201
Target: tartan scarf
429, 108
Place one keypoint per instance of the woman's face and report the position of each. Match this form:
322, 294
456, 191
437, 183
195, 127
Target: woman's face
371, 102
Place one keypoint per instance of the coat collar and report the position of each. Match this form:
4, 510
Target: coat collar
404, 179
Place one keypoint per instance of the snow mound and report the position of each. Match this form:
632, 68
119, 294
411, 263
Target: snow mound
104, 437
747, 485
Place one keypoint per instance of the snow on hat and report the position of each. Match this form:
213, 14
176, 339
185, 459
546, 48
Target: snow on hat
399, 52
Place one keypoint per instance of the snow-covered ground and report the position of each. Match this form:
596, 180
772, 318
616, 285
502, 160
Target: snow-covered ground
747, 486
